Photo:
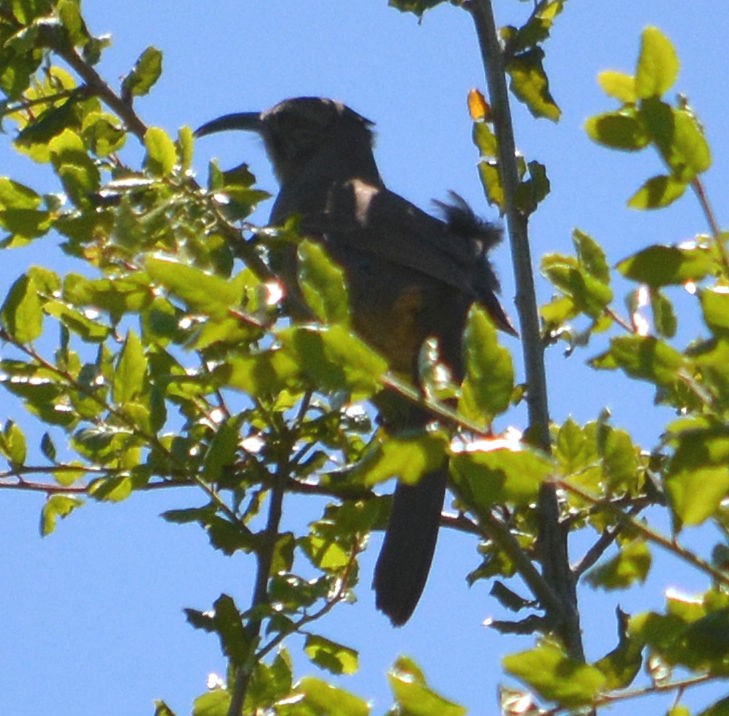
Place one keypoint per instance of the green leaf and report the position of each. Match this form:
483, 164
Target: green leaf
406, 457
22, 314
89, 329
103, 133
17, 196
185, 143
532, 191
70, 14
618, 85
658, 64
326, 654
487, 388
621, 665
335, 359
659, 266
619, 461
162, 709
47, 447
264, 374
698, 474
144, 74
418, 7
659, 191
555, 676
530, 84
629, 566
161, 152
322, 284
414, 696
491, 181
213, 703
573, 448
591, 255
201, 291
323, 699
112, 489
325, 553
589, 294
116, 296
497, 475
643, 357
664, 317
485, 140
715, 309
679, 137
12, 444
78, 173
228, 624
221, 452
618, 130
57, 506
129, 377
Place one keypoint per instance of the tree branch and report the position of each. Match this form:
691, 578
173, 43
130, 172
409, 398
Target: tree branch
552, 538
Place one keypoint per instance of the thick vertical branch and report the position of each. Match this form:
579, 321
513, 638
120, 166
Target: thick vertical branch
260, 591
553, 538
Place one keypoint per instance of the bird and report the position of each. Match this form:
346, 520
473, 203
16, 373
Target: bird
410, 276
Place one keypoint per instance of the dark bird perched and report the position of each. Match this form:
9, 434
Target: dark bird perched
410, 276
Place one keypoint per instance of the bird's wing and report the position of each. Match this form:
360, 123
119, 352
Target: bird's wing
378, 222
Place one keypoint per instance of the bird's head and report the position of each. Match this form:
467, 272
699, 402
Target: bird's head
296, 130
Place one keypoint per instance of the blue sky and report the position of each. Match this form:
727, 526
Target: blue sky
93, 621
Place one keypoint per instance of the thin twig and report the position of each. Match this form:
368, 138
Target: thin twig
649, 533
603, 542
698, 188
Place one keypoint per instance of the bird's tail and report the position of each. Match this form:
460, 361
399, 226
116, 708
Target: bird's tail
407, 551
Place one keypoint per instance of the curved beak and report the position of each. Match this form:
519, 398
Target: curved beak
248, 121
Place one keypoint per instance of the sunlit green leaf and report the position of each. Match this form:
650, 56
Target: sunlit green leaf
629, 566
322, 284
131, 370
618, 85
657, 192
326, 654
22, 314
668, 265
487, 388
497, 475
530, 84
414, 696
658, 64
406, 457
202, 292
144, 74
221, 452
491, 180
161, 152
698, 474
77, 171
618, 130
57, 506
643, 357
555, 676
334, 358
12, 443
212, 703
323, 699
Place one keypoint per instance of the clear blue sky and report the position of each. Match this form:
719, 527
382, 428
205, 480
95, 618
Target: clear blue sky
92, 620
